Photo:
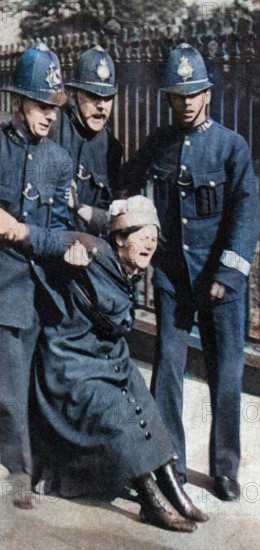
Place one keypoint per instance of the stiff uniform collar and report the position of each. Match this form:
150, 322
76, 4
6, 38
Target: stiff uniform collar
20, 137
203, 127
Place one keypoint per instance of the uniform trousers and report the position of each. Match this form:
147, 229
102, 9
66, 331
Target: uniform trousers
221, 325
16, 350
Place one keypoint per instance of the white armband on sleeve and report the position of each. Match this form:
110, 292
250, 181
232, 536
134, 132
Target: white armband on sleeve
233, 260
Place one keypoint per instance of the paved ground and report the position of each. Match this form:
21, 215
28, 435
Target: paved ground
82, 524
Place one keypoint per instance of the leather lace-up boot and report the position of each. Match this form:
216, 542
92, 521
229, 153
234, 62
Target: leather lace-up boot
156, 509
168, 482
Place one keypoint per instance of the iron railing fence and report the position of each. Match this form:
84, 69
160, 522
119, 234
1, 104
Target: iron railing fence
232, 55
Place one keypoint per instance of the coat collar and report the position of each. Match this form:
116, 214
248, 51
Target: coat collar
19, 137
203, 127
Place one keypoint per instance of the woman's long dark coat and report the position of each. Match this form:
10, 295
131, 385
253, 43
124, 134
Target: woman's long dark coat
96, 414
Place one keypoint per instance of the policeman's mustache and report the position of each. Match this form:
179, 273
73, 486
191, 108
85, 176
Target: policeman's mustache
99, 115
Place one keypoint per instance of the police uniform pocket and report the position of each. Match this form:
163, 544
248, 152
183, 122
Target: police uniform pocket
209, 193
158, 173
46, 195
44, 205
161, 180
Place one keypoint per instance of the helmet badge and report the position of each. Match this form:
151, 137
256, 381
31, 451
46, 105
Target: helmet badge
185, 69
53, 77
103, 71
99, 48
42, 47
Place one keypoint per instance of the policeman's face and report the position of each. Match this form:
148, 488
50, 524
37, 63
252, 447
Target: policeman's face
94, 109
136, 250
39, 116
190, 110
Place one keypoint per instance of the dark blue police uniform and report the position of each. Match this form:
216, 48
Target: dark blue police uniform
96, 162
35, 180
206, 195
96, 156
34, 183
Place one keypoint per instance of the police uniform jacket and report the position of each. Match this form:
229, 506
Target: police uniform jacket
96, 162
206, 194
35, 179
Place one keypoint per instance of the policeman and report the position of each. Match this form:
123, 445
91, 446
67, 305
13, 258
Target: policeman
83, 131
35, 178
206, 195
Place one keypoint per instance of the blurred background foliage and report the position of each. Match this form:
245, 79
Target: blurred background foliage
49, 17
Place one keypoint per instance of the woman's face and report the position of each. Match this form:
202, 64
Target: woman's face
136, 250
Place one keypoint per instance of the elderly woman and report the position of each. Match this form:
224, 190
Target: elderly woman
94, 419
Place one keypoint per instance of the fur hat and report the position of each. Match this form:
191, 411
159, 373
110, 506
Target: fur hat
139, 211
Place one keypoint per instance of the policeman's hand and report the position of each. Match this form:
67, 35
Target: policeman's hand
73, 200
117, 207
8, 225
11, 229
77, 255
85, 212
217, 290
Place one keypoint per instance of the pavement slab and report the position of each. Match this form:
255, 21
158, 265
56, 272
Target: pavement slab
91, 524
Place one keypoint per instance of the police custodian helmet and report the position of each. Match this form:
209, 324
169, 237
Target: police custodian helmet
95, 73
185, 72
37, 75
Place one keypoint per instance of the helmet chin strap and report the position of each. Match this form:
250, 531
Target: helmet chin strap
80, 118
24, 120
23, 123
79, 113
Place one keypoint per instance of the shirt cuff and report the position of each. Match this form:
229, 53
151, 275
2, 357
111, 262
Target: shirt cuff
233, 260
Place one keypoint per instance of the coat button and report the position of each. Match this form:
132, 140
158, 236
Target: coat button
29, 156
184, 221
25, 214
183, 194
101, 185
142, 424
183, 167
131, 400
186, 247
212, 183
138, 410
117, 368
124, 391
50, 200
148, 436
187, 142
